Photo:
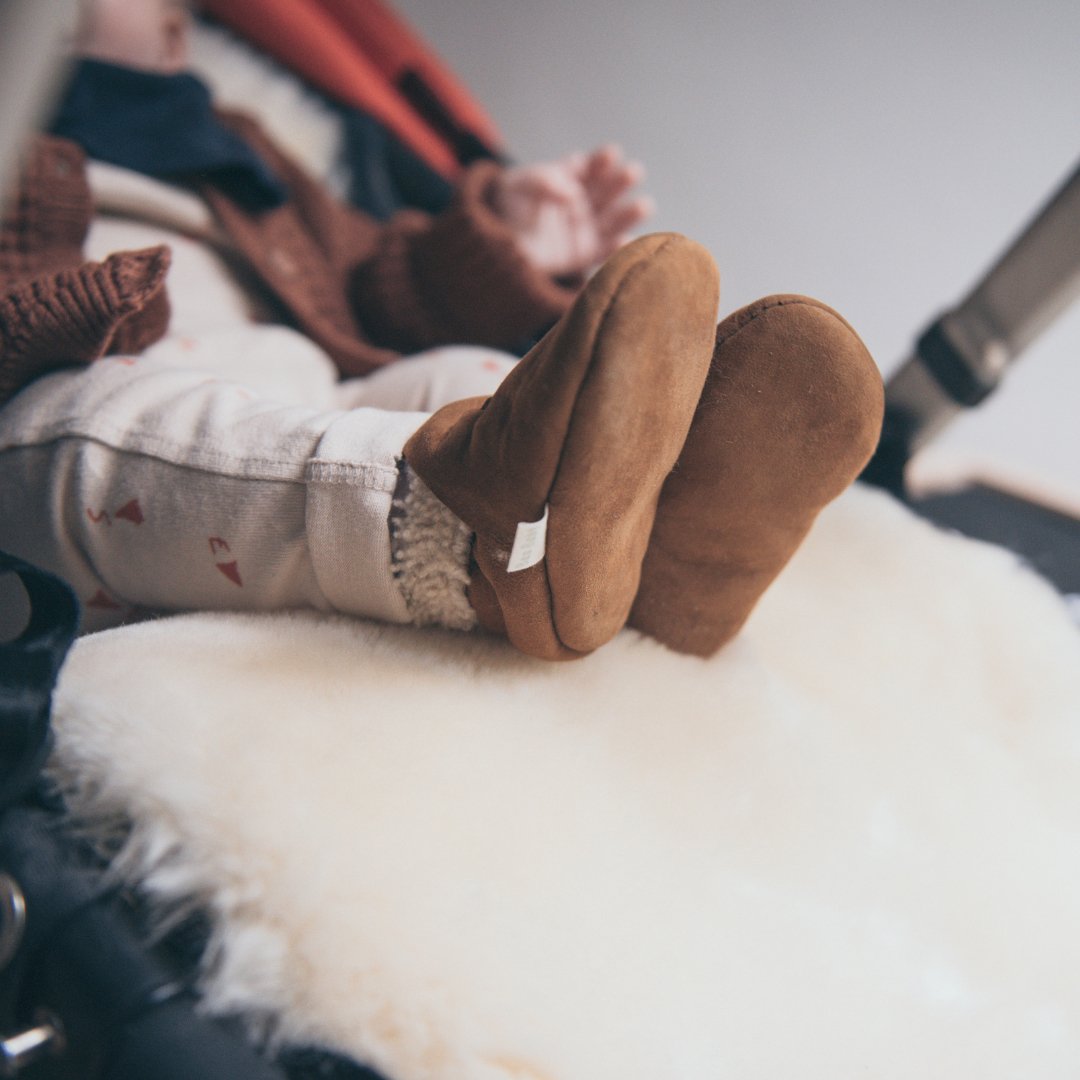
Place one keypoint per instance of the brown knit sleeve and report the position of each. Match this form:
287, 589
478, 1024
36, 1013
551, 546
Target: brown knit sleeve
57, 309
458, 277
72, 316
418, 281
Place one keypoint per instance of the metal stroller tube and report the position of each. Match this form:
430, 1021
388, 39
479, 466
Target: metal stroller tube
960, 358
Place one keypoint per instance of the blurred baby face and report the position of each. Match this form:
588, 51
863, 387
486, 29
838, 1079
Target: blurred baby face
147, 34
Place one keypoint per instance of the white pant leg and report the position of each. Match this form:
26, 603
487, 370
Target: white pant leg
272, 361
429, 380
150, 486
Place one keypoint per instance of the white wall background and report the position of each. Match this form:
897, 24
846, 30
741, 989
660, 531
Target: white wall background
876, 155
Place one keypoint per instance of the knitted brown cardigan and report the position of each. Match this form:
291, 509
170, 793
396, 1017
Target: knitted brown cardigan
363, 290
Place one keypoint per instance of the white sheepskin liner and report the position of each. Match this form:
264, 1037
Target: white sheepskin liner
847, 846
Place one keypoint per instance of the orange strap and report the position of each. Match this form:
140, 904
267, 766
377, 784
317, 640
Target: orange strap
357, 52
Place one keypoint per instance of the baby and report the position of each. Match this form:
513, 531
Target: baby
639, 466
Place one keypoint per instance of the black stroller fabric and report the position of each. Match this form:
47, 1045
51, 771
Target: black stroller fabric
80, 965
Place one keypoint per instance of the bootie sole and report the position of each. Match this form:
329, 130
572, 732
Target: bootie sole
790, 413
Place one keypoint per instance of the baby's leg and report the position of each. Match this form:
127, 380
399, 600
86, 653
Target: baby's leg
429, 380
153, 487
272, 361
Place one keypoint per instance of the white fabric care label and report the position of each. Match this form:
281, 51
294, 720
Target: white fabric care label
530, 541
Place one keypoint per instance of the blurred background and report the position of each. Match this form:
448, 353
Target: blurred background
876, 155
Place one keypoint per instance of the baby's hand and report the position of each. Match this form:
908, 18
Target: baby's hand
570, 215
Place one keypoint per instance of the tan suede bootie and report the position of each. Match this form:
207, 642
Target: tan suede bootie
585, 429
790, 413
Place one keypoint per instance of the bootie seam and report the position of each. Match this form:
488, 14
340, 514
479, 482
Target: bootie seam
786, 300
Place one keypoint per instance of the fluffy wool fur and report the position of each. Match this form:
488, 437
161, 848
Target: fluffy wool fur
847, 845
430, 547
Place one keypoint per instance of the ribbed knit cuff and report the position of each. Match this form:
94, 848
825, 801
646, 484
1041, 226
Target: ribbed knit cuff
459, 277
488, 290
70, 317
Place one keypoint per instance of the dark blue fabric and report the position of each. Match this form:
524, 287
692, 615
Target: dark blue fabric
385, 176
125, 1010
163, 126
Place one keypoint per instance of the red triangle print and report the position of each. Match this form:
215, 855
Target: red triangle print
130, 511
101, 600
229, 569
